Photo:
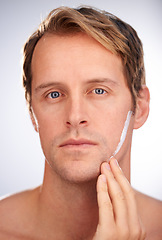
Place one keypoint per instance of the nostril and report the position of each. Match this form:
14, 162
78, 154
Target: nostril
83, 122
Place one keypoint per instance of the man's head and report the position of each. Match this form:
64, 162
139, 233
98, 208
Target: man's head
82, 77
114, 34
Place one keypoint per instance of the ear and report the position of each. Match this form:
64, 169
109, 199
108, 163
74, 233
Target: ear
34, 120
142, 107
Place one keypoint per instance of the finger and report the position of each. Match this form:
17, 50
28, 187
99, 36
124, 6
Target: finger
106, 217
128, 191
135, 226
143, 231
117, 199
119, 175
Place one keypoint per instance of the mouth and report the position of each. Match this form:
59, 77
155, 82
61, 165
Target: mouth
78, 143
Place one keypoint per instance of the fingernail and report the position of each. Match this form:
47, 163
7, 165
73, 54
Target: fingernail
116, 162
107, 166
103, 177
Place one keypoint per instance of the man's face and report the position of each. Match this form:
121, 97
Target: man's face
80, 100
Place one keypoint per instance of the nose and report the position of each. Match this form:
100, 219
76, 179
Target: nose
76, 113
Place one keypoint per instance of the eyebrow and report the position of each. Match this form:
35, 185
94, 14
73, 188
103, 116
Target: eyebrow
47, 85
91, 81
103, 80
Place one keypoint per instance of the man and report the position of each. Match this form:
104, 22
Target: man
84, 82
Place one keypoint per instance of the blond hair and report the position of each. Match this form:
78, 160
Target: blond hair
110, 31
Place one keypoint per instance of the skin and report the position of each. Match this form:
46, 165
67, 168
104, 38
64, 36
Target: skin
80, 101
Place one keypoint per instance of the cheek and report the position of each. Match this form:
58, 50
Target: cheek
49, 124
49, 129
107, 125
111, 123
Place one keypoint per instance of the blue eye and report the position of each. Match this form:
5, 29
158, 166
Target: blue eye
99, 91
54, 94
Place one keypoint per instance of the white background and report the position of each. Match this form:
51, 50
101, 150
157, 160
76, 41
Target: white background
21, 158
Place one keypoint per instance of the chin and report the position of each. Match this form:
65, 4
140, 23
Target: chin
77, 166
77, 171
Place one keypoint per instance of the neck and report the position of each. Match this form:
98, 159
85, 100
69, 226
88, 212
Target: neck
69, 207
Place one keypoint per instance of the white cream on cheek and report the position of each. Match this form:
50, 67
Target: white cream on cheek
123, 134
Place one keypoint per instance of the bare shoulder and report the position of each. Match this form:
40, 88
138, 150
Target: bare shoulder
17, 204
15, 214
151, 214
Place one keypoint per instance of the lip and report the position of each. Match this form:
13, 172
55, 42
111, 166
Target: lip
78, 143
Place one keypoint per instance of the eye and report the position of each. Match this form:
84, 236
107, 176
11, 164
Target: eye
99, 91
54, 94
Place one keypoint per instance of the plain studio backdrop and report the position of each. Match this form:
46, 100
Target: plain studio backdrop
21, 158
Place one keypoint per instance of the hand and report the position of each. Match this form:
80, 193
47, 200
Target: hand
118, 215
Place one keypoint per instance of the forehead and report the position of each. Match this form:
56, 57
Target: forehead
73, 56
